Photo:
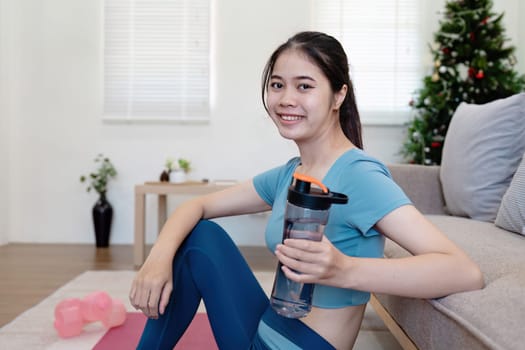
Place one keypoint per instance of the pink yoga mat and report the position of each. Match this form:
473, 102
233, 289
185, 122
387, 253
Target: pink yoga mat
197, 336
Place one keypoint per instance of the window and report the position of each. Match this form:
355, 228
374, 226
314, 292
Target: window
383, 42
156, 60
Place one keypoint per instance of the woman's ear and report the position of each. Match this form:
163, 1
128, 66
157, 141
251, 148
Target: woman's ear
339, 96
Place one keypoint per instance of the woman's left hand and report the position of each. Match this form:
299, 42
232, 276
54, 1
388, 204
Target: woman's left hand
312, 262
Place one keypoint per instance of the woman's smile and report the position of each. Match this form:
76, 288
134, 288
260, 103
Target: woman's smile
290, 117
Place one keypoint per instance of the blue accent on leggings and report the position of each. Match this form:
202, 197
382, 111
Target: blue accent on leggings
209, 265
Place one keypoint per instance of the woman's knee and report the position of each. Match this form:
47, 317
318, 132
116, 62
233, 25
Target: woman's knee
207, 226
207, 234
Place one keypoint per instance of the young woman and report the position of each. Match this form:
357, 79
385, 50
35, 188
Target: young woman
309, 96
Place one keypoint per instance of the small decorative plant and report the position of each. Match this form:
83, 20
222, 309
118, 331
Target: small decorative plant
182, 164
178, 170
98, 180
169, 165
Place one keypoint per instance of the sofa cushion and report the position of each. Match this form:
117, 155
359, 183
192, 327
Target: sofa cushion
482, 150
486, 318
511, 213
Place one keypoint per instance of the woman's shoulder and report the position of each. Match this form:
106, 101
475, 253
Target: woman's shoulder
358, 162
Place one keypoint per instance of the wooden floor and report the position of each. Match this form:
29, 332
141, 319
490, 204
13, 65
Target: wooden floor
31, 272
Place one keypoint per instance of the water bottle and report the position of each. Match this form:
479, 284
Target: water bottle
305, 217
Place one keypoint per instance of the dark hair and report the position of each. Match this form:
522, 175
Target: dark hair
328, 54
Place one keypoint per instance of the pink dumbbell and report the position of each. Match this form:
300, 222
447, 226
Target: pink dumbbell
72, 314
68, 318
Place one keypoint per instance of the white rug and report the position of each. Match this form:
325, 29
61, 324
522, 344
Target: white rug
33, 329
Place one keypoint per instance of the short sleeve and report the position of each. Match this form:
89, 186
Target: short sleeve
268, 183
374, 195
371, 191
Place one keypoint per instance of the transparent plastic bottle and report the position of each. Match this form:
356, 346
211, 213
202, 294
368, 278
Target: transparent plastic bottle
306, 215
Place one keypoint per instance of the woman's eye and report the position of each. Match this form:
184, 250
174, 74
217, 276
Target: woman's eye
276, 85
304, 87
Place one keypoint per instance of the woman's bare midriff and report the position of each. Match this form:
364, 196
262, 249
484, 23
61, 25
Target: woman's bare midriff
338, 326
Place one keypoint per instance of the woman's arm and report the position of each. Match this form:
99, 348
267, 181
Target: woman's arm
152, 285
236, 200
438, 267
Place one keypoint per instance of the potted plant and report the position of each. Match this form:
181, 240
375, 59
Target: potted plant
176, 171
102, 210
184, 165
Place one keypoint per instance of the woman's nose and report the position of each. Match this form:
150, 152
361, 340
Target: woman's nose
288, 98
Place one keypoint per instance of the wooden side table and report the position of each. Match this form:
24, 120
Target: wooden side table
162, 190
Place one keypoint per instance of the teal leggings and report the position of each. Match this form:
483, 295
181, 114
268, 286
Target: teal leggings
209, 266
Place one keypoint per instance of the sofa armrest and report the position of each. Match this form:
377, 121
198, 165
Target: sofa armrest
422, 185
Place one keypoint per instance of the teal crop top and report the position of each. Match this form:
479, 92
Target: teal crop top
372, 194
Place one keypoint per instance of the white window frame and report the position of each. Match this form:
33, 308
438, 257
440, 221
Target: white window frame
157, 60
401, 60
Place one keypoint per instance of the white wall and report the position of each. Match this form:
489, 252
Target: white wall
514, 28
54, 129
4, 122
58, 131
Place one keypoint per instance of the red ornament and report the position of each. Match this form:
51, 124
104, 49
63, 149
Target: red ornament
480, 74
435, 144
445, 50
472, 36
485, 20
471, 72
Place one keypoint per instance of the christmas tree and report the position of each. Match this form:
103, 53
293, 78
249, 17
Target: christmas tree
472, 63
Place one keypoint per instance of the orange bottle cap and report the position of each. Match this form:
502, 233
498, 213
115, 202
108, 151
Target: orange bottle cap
310, 179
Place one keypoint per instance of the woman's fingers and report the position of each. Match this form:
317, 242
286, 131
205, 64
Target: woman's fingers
145, 296
132, 293
304, 245
301, 277
137, 296
303, 250
165, 296
297, 264
152, 305
308, 261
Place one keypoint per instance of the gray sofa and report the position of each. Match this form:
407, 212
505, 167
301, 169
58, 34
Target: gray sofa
456, 197
492, 318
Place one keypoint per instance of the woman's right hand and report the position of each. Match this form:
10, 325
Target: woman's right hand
152, 286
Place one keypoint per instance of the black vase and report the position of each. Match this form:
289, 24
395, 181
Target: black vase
102, 216
164, 176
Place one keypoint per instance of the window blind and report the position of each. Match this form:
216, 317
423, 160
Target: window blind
383, 43
156, 59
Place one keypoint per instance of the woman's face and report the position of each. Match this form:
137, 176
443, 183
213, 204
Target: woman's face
300, 100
